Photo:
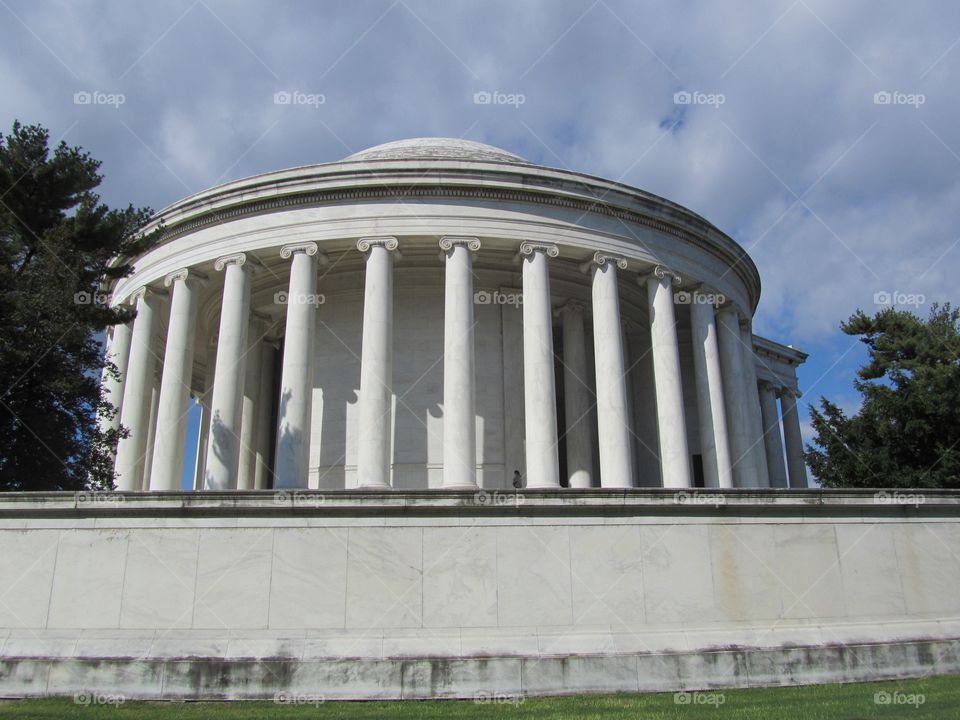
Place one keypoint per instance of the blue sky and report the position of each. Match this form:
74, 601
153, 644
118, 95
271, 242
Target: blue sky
822, 136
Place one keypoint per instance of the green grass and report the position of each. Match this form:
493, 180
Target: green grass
941, 700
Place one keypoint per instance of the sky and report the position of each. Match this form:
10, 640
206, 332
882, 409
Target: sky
820, 135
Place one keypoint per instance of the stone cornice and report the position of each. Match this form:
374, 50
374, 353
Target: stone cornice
747, 503
703, 235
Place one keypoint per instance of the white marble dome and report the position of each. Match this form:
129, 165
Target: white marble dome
433, 148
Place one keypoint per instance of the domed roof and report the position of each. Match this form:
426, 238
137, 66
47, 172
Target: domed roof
434, 148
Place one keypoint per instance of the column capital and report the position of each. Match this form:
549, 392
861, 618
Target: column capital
790, 392
145, 291
448, 242
659, 272
601, 258
387, 242
529, 248
238, 259
701, 288
728, 309
306, 248
184, 274
570, 306
768, 385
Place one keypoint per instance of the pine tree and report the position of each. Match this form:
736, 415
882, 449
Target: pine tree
58, 244
907, 432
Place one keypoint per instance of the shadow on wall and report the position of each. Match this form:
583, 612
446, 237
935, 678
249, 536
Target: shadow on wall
287, 443
224, 443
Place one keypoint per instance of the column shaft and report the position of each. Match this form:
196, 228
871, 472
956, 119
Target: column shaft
613, 421
731, 368
172, 406
459, 378
117, 351
539, 384
674, 452
753, 405
223, 443
249, 408
376, 365
772, 444
204, 401
137, 393
576, 395
262, 475
296, 375
796, 466
714, 439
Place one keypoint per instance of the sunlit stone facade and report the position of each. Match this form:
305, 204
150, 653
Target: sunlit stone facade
440, 313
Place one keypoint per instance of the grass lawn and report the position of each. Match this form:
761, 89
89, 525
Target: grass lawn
935, 697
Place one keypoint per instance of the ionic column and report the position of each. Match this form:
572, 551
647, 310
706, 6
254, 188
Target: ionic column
576, 395
173, 404
296, 375
539, 385
459, 379
117, 351
223, 443
753, 404
376, 364
613, 415
796, 467
674, 452
772, 444
137, 391
262, 474
714, 440
204, 400
731, 368
146, 463
249, 411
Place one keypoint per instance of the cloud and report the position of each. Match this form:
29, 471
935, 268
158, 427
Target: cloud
838, 196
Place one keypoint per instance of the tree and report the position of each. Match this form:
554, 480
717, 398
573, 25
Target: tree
907, 432
58, 243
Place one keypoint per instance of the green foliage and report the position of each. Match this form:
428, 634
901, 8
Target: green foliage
925, 698
907, 432
58, 243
